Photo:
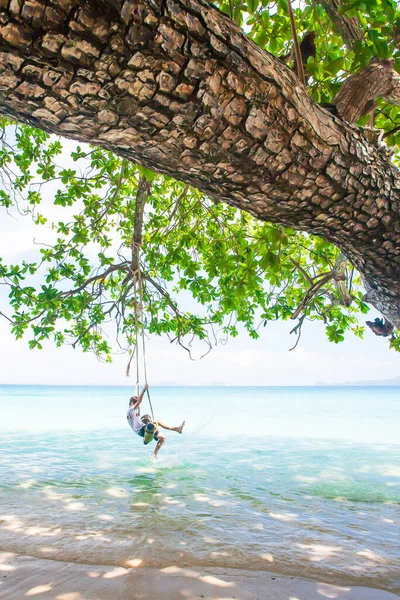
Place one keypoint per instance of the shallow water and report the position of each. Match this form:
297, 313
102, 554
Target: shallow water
313, 507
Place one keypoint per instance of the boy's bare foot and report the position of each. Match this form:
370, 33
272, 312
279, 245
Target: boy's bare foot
179, 429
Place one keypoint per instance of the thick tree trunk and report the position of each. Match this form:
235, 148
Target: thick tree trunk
176, 86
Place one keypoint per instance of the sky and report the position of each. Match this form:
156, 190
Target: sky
242, 361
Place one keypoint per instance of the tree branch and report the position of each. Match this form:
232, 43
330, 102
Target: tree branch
297, 330
349, 28
164, 294
100, 277
311, 292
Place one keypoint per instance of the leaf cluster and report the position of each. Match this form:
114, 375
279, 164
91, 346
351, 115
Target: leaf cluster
206, 268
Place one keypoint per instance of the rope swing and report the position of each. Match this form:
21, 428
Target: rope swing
138, 286
142, 193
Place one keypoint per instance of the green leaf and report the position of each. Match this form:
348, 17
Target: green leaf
148, 174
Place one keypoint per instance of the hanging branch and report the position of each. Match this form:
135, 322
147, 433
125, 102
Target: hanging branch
128, 366
297, 329
142, 194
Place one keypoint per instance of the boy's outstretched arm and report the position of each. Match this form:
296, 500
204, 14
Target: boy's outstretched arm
139, 400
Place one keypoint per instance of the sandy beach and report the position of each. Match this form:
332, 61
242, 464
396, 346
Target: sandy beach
27, 577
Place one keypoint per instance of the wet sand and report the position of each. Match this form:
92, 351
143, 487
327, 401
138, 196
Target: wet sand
25, 577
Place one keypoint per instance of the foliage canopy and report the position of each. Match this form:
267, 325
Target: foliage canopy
81, 289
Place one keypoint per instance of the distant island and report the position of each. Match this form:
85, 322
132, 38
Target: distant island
376, 382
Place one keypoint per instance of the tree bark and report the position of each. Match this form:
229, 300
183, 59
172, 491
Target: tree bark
356, 98
349, 28
174, 85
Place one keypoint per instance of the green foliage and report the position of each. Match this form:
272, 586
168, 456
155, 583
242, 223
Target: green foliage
267, 23
79, 288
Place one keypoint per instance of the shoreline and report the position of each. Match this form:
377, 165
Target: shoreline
25, 576
388, 582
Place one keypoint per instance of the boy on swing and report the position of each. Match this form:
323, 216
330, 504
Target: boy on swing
144, 426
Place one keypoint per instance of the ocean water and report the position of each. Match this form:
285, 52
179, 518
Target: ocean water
303, 481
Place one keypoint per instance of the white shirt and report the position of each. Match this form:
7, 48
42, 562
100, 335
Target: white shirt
134, 420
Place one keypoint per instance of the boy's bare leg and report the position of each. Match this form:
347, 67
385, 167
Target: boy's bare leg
165, 426
160, 441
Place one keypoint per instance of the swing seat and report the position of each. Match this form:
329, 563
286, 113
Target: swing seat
149, 433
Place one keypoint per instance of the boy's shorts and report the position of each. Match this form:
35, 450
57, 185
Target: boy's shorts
143, 429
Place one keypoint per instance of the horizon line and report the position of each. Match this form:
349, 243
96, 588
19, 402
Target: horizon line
367, 383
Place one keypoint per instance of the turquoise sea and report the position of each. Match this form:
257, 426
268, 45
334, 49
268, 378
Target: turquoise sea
304, 481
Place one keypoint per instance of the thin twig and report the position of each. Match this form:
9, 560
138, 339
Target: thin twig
297, 330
